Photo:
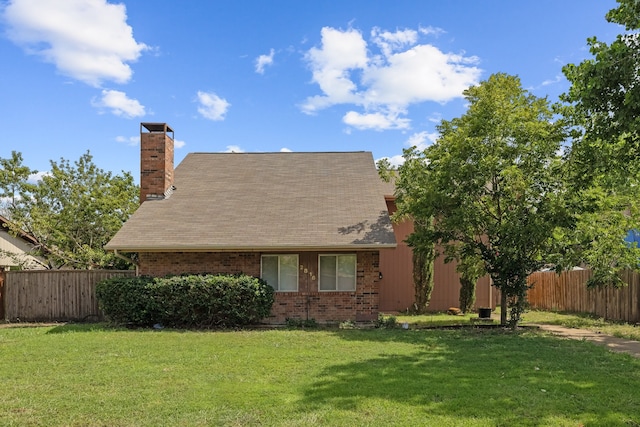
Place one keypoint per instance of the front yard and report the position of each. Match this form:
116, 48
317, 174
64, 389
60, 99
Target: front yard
93, 375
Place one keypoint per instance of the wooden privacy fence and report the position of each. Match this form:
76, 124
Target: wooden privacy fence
54, 295
568, 292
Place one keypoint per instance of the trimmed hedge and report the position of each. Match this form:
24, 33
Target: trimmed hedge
190, 301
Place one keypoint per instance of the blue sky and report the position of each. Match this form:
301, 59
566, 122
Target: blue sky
372, 75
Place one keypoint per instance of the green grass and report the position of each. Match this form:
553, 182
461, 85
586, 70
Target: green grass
570, 320
584, 321
92, 375
435, 320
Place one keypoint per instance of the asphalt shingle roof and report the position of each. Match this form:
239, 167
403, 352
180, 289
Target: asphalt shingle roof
264, 201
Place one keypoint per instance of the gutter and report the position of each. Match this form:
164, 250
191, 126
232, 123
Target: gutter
119, 255
286, 248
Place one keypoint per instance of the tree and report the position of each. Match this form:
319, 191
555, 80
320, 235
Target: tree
604, 97
423, 259
72, 211
602, 168
14, 182
491, 182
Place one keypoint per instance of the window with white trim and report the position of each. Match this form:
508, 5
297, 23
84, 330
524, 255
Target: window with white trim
337, 272
280, 271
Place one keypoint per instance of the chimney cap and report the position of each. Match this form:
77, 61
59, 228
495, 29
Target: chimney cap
156, 127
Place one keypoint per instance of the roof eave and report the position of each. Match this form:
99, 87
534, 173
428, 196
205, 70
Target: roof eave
287, 248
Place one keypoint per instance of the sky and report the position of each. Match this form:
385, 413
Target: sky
268, 76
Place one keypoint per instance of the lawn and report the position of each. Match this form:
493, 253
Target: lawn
93, 375
585, 321
570, 320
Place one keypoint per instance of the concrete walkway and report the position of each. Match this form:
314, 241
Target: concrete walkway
620, 345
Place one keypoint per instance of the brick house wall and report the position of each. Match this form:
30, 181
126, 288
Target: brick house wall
307, 303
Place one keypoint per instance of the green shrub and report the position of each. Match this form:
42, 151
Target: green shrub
386, 322
189, 301
348, 324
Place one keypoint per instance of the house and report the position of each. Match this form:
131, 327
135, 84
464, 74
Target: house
313, 225
15, 250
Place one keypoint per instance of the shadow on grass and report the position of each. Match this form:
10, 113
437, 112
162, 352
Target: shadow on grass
524, 379
84, 327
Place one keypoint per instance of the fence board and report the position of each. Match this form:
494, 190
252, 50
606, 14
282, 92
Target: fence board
54, 295
568, 292
1, 294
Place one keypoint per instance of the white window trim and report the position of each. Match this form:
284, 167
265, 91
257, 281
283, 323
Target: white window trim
297, 275
355, 278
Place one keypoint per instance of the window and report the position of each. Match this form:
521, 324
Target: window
337, 273
280, 271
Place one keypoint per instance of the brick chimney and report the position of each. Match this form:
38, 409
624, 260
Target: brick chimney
156, 161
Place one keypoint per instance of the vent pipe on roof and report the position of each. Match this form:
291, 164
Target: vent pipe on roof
156, 161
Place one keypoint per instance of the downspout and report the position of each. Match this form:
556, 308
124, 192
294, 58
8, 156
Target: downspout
119, 255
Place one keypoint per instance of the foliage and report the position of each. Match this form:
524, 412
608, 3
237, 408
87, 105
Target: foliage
190, 301
471, 268
492, 183
14, 181
423, 259
604, 97
602, 217
71, 212
603, 106
386, 322
348, 324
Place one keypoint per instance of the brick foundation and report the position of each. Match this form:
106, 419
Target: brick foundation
306, 303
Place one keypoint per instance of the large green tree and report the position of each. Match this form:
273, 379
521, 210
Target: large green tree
72, 211
604, 97
602, 168
492, 183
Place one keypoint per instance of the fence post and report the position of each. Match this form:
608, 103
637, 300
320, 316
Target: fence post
2, 276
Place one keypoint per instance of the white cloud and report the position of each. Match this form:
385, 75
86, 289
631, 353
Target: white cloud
263, 60
422, 140
135, 141
341, 52
390, 42
395, 161
431, 30
212, 107
119, 104
88, 40
35, 177
435, 118
376, 121
233, 149
557, 79
385, 84
285, 150
131, 141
